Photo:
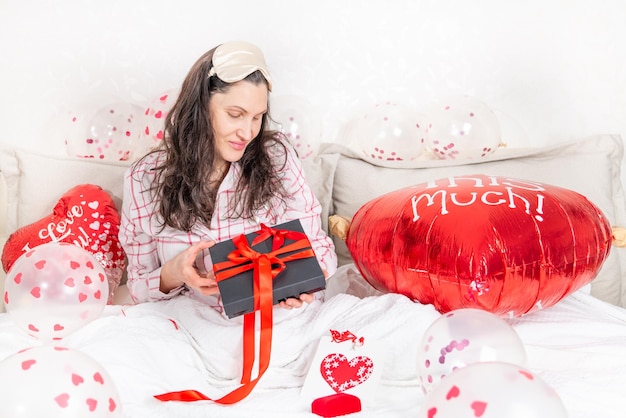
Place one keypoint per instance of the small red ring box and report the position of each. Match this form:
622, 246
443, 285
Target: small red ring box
336, 405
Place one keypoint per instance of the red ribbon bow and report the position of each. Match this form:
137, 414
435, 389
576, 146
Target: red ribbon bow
278, 236
244, 258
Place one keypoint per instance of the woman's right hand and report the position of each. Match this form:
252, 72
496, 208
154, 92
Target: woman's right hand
182, 270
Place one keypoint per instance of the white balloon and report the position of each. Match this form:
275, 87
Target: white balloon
56, 382
492, 390
54, 289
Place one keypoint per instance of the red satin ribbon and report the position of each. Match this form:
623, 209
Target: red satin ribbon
263, 276
278, 236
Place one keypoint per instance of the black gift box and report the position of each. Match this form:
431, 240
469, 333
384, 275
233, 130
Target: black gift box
299, 276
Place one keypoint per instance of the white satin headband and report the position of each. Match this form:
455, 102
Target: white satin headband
234, 61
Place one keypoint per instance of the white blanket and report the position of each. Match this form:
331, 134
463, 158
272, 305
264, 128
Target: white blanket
578, 347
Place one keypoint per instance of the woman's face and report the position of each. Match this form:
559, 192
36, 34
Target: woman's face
236, 117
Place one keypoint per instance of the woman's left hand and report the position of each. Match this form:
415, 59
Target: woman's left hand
291, 303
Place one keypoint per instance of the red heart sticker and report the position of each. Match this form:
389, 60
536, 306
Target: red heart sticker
26, 364
62, 400
77, 379
342, 374
453, 393
36, 292
92, 404
98, 378
479, 408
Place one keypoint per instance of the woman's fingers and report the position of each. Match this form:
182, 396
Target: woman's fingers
182, 268
291, 303
307, 297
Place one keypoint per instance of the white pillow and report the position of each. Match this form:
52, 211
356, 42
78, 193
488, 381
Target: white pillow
590, 166
35, 182
320, 172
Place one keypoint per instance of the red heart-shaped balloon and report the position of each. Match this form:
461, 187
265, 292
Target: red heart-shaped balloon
86, 216
504, 245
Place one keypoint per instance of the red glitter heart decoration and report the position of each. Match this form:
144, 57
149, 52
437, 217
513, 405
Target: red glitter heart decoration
342, 374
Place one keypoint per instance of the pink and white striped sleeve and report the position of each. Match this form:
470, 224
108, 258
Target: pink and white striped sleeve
137, 239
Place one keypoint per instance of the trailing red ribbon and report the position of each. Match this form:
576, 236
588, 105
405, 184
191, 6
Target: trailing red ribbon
244, 258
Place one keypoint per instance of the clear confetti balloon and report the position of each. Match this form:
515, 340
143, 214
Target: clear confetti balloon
387, 132
298, 119
462, 127
110, 133
153, 122
463, 337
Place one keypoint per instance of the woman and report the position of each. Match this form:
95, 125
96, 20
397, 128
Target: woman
218, 173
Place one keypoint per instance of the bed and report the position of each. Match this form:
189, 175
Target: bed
576, 346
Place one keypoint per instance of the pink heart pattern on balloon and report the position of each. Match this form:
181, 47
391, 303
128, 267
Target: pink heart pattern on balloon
85, 216
62, 380
342, 374
492, 389
62, 400
51, 302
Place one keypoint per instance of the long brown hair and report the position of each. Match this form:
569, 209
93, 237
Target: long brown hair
181, 184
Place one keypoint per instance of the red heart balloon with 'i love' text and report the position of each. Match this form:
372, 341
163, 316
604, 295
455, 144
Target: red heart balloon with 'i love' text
85, 216
504, 245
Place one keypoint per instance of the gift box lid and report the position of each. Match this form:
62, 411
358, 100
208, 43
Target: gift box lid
302, 275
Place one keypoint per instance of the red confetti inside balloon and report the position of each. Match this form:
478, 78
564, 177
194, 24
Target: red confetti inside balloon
301, 123
462, 127
152, 131
387, 132
504, 245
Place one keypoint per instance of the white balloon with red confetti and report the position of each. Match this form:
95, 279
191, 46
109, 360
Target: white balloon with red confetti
153, 122
387, 132
299, 121
462, 127
109, 133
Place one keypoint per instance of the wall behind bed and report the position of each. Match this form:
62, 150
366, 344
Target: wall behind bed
553, 70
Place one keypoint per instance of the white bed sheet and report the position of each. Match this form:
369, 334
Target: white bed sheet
577, 346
